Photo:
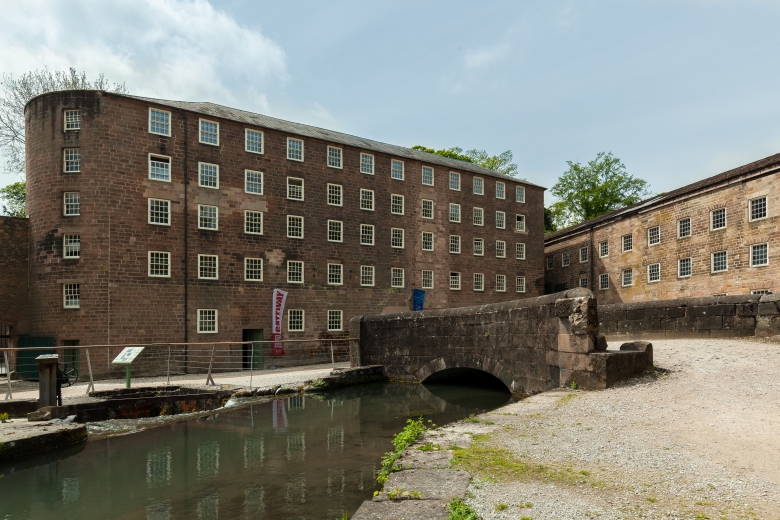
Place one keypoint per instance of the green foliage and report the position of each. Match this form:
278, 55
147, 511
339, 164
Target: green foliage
3, 417
472, 419
549, 221
428, 446
457, 509
594, 189
452, 153
573, 385
317, 383
400, 494
501, 507
13, 197
501, 163
407, 436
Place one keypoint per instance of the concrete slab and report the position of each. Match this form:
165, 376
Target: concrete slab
19, 437
403, 510
413, 458
433, 484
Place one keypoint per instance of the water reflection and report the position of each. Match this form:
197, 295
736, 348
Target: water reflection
298, 457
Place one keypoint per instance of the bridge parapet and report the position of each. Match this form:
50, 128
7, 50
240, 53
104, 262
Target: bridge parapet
531, 345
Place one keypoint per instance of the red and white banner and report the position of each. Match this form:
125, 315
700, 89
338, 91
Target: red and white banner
280, 297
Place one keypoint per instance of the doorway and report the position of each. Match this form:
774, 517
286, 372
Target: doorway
253, 353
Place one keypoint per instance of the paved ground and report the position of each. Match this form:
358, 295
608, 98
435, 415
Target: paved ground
281, 376
702, 441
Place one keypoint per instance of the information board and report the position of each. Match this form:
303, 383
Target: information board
127, 355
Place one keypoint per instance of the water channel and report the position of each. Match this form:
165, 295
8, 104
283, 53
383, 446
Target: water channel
300, 457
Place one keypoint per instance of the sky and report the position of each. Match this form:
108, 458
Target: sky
678, 90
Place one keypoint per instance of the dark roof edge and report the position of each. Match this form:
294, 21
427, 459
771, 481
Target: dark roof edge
657, 200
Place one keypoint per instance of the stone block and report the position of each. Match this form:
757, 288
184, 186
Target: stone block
564, 307
708, 323
646, 314
640, 346
770, 298
402, 509
713, 310
584, 380
747, 309
669, 324
676, 312
767, 309
578, 343
601, 343
732, 333
739, 322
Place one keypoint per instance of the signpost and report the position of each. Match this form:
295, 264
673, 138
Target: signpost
126, 357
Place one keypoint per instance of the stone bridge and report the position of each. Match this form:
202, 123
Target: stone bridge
531, 345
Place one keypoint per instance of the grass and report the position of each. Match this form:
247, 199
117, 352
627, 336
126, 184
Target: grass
410, 434
3, 417
428, 446
565, 400
457, 509
400, 494
472, 419
501, 507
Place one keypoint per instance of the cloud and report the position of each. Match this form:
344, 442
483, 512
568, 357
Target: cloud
484, 57
171, 49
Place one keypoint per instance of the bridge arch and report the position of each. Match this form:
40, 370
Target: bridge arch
480, 363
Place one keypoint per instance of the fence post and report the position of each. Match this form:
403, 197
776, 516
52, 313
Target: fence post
332, 361
168, 379
251, 364
211, 365
9, 394
91, 385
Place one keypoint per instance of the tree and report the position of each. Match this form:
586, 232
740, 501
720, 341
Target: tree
17, 92
599, 187
549, 221
501, 163
13, 196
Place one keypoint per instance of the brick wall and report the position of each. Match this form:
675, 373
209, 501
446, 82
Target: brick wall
121, 304
14, 243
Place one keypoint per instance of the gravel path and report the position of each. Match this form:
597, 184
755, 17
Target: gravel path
700, 441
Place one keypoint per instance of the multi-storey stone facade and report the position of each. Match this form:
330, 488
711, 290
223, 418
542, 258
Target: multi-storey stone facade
155, 220
14, 240
714, 237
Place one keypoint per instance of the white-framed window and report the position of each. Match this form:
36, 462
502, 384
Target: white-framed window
159, 212
628, 277
479, 217
684, 227
296, 321
71, 246
500, 190
604, 281
584, 281
295, 271
603, 249
520, 284
72, 120
520, 193
294, 188
253, 141
628, 243
520, 223
454, 181
335, 231
335, 274
550, 261
397, 170
584, 254
454, 212
500, 220
71, 295
253, 182
335, 320
367, 164
253, 222
565, 259
520, 251
208, 175
500, 249
759, 255
159, 122
760, 291
71, 201
209, 132
159, 167
295, 149
653, 273
253, 269
366, 235
367, 200
294, 226
208, 267
500, 283
479, 282
720, 261
478, 186
718, 219
427, 208
454, 281
684, 267
654, 236
159, 264
397, 238
334, 157
208, 217
455, 244
427, 279
207, 321
334, 195
396, 277
427, 241
479, 247
397, 204
427, 175
367, 275
758, 209
72, 160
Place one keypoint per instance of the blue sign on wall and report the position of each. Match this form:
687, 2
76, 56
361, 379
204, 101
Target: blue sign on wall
418, 299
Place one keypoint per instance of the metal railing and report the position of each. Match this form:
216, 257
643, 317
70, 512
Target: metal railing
168, 363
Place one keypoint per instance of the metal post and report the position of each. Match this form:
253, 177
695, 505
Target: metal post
127, 375
9, 394
91, 385
168, 380
332, 361
211, 365
251, 364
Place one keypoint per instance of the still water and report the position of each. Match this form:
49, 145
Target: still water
300, 457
